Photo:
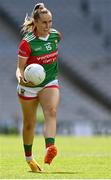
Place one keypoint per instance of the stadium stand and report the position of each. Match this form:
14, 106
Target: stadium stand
8, 99
81, 50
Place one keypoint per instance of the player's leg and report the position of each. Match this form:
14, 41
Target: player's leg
29, 108
49, 100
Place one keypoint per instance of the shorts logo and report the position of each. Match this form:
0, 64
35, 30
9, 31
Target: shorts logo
22, 91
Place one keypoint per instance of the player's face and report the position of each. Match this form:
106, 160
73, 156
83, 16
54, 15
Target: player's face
43, 24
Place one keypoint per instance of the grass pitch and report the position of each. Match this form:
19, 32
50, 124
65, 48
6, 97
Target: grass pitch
78, 158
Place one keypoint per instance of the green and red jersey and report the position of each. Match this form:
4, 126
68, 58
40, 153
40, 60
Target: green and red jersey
42, 51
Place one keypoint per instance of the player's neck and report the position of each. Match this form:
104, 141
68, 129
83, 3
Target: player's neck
41, 35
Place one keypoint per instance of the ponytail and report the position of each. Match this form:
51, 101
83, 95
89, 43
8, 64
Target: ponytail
28, 25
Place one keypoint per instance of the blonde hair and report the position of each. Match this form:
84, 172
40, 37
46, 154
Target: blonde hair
28, 25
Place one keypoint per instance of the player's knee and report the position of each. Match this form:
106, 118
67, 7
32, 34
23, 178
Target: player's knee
51, 111
29, 125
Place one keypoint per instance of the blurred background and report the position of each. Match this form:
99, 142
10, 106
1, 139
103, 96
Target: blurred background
84, 63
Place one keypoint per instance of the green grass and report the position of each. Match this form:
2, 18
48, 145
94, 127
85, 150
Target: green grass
78, 158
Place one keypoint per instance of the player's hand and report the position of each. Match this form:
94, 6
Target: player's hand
23, 82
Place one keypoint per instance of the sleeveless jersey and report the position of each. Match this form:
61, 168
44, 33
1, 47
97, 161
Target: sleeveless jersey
42, 51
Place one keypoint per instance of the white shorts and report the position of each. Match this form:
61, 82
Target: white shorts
28, 93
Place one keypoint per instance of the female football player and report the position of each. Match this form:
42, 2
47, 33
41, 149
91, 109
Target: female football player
39, 45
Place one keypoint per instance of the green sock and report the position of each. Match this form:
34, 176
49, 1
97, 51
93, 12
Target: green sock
28, 150
49, 142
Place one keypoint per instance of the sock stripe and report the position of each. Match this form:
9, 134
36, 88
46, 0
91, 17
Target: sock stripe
49, 142
29, 153
28, 150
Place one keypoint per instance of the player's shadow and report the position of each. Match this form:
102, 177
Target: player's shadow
57, 172
61, 172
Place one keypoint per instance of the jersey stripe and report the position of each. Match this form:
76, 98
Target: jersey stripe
30, 38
